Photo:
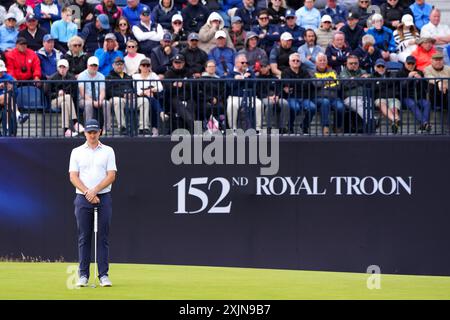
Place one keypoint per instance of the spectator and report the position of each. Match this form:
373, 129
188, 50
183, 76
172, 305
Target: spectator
414, 93
368, 54
86, 13
355, 92
242, 95
363, 13
217, 6
47, 13
392, 12
247, 13
438, 91
424, 52
384, 38
195, 57
123, 33
3, 13
48, 57
179, 91
337, 13
94, 33
337, 52
352, 31
91, 87
308, 17
298, 93
132, 58
405, 37
147, 33
309, 51
421, 12
119, 93
254, 54
6, 98
108, 54
279, 56
222, 55
296, 31
212, 96
21, 11
327, 95
276, 109
208, 31
148, 87
268, 34
110, 9
180, 35
194, 15
33, 33
23, 63
163, 13
437, 30
64, 29
133, 11
237, 33
277, 13
61, 92
76, 57
386, 95
8, 33
325, 32
162, 55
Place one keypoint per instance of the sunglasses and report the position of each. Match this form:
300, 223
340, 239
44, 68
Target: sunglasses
412, 63
364, 2
123, 24
145, 65
244, 62
295, 60
353, 63
177, 22
76, 45
288, 18
178, 62
145, 14
93, 65
132, 47
380, 66
263, 18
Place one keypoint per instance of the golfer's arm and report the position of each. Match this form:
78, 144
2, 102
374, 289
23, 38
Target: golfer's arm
77, 183
109, 179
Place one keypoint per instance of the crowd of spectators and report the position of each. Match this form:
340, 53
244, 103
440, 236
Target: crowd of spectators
149, 41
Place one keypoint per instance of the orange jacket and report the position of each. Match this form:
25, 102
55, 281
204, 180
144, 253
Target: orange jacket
423, 57
23, 65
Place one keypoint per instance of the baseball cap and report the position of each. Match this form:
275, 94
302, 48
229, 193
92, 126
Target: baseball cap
2, 66
21, 40
352, 15
119, 59
425, 39
410, 59
177, 17
178, 57
91, 125
285, 36
167, 36
437, 55
48, 37
220, 34
408, 20
104, 21
92, 60
110, 36
236, 19
290, 13
10, 16
193, 36
145, 11
31, 17
380, 62
63, 62
325, 18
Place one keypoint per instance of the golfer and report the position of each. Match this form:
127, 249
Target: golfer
92, 171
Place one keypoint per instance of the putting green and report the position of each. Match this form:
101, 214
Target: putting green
52, 281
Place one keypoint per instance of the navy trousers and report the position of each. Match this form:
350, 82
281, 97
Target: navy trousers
84, 212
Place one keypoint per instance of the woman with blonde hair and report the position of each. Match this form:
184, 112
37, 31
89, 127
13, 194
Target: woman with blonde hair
76, 56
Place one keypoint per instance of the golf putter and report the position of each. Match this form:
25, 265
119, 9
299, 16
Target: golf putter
95, 245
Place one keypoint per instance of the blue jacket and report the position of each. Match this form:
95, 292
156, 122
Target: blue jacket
48, 63
47, 23
272, 36
133, 15
384, 39
224, 58
8, 38
249, 18
3, 79
241, 88
340, 16
421, 14
297, 33
106, 59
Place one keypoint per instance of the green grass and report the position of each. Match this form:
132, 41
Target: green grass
49, 281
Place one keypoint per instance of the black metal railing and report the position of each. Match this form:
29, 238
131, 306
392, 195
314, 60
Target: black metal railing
314, 107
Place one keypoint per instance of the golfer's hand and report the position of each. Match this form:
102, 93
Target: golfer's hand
96, 200
90, 195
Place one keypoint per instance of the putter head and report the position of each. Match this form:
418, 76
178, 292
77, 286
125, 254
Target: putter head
93, 285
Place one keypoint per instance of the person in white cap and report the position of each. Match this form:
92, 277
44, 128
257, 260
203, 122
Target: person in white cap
91, 86
8, 33
222, 55
179, 34
163, 12
208, 32
61, 91
325, 32
338, 13
279, 55
405, 37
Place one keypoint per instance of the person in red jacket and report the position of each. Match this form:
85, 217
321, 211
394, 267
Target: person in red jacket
22, 63
423, 53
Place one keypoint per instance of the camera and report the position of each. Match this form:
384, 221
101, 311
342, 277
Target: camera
23, 69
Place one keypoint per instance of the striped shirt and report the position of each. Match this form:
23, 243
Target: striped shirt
402, 44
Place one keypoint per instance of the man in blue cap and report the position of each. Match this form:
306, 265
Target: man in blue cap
94, 33
93, 190
296, 31
48, 57
108, 54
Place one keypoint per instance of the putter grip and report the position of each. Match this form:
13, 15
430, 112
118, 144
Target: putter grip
95, 219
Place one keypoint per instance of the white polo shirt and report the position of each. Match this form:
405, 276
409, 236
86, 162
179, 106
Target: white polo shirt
92, 164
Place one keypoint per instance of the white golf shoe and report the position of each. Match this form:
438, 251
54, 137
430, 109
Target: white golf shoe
105, 282
82, 282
